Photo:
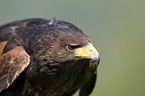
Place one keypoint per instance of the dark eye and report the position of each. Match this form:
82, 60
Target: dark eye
72, 47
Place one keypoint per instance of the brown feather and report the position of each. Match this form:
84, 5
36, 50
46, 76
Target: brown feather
12, 64
53, 69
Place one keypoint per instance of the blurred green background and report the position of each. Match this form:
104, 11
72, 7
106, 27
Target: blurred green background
117, 28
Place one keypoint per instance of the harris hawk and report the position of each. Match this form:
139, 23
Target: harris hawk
40, 57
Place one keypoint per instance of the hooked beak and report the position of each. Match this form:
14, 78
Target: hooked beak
88, 52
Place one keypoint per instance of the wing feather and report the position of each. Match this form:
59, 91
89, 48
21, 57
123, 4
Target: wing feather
12, 63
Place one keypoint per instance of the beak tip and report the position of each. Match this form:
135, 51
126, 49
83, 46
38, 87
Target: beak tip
98, 60
95, 56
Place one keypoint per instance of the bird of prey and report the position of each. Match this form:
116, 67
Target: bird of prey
40, 57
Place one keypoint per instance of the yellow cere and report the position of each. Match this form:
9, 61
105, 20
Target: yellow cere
85, 51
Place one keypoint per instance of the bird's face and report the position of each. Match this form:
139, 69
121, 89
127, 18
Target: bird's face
73, 45
63, 44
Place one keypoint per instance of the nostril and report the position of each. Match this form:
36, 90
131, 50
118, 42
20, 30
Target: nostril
92, 50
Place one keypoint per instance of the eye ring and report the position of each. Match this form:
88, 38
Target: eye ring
73, 47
